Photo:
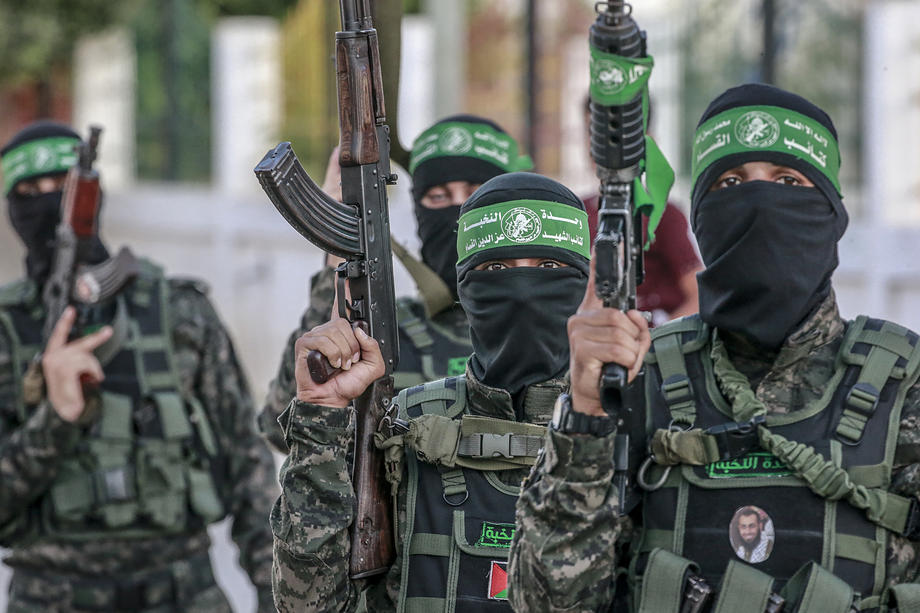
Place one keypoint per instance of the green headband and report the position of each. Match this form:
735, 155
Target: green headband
474, 140
42, 156
523, 223
766, 128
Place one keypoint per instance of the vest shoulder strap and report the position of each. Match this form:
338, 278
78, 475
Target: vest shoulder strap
414, 324
670, 343
445, 397
882, 350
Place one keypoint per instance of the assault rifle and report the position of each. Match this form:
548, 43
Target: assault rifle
72, 280
357, 229
617, 148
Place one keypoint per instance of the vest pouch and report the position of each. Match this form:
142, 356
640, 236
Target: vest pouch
203, 495
813, 589
480, 555
115, 478
460, 562
161, 483
662, 582
98, 484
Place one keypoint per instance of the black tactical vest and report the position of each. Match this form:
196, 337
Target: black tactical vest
460, 521
147, 466
700, 511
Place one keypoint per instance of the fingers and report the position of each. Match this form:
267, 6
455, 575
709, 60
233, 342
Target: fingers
61, 331
335, 340
92, 341
370, 353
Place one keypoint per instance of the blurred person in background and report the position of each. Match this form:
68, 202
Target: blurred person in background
140, 433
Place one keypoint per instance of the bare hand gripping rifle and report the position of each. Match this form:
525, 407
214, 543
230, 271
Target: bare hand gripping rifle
357, 229
620, 68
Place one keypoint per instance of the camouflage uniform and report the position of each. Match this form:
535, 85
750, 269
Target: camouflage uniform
444, 338
564, 554
312, 517
165, 573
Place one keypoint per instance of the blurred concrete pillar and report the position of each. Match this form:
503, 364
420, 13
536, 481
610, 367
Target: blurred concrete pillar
247, 98
449, 75
417, 95
105, 74
892, 113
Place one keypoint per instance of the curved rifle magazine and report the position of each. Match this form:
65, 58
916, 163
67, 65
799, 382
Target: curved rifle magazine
324, 221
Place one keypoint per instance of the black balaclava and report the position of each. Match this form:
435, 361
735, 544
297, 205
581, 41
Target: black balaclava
769, 248
41, 149
457, 148
518, 316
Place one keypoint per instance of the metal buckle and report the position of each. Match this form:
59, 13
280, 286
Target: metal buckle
735, 439
494, 445
640, 476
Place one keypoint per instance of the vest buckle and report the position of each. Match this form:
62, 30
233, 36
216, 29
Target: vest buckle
863, 398
494, 445
735, 439
677, 389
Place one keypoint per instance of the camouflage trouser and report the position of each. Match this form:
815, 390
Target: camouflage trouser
186, 586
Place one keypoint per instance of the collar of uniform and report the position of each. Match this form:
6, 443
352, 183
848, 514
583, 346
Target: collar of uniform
496, 402
821, 327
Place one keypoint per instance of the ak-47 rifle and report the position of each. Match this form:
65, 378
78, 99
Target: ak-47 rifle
357, 229
72, 280
619, 69
76, 230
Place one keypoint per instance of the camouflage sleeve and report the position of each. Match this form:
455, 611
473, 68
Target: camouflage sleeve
283, 387
29, 450
310, 520
562, 556
903, 554
248, 464
29, 458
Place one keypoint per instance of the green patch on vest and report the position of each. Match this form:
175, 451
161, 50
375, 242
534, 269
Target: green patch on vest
756, 464
456, 366
496, 535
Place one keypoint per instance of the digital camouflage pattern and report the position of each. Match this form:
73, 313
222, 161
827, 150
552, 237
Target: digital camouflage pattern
310, 520
29, 454
564, 555
449, 353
